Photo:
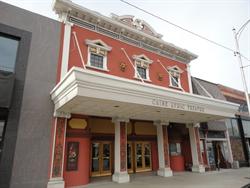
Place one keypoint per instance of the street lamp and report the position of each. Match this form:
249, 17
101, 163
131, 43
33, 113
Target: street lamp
237, 53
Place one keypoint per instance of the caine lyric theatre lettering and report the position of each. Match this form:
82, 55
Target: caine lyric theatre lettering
177, 106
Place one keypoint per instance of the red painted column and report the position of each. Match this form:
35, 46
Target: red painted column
120, 175
123, 147
197, 136
58, 150
166, 146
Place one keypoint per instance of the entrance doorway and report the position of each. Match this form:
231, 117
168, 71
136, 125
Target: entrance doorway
101, 158
216, 155
139, 156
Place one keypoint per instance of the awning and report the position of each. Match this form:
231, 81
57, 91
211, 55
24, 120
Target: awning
89, 92
217, 126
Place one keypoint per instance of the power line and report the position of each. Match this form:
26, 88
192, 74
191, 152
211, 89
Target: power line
182, 28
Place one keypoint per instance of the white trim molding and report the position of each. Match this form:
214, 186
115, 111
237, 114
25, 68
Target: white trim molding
56, 183
190, 86
144, 62
65, 51
61, 114
175, 72
98, 48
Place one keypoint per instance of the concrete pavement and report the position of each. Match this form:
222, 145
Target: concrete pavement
226, 178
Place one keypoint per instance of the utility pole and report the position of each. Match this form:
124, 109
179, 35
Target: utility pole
237, 53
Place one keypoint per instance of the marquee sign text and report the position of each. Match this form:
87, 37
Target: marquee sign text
177, 106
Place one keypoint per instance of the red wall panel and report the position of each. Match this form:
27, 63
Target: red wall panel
155, 162
116, 56
81, 175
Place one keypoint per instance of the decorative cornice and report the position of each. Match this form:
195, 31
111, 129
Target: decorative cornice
72, 9
136, 23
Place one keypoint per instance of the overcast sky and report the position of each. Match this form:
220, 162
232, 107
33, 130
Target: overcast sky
213, 19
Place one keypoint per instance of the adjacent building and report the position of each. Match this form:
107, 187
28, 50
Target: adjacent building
29, 51
227, 139
239, 127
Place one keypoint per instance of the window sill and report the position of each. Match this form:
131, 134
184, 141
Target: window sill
145, 80
175, 87
92, 67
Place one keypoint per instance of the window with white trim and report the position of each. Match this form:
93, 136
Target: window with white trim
174, 76
142, 64
97, 54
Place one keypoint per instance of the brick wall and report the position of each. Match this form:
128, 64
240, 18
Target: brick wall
237, 149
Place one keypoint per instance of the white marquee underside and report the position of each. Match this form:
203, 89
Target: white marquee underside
89, 92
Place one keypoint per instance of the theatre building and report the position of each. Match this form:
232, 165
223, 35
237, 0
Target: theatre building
123, 101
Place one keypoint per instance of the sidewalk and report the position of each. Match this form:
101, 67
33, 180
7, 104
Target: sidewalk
226, 178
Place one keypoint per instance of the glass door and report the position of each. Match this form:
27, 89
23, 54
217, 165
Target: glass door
138, 162
143, 156
147, 156
106, 159
130, 157
210, 152
101, 158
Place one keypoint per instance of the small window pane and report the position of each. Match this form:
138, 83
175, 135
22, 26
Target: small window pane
142, 71
175, 148
229, 127
175, 81
96, 60
8, 52
235, 128
246, 127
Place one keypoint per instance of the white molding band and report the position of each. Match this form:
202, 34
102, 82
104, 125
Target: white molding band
56, 183
61, 114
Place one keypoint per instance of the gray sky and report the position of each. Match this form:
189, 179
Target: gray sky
213, 19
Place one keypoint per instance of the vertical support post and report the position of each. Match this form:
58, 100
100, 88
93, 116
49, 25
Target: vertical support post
65, 51
163, 149
58, 150
230, 154
121, 174
195, 148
